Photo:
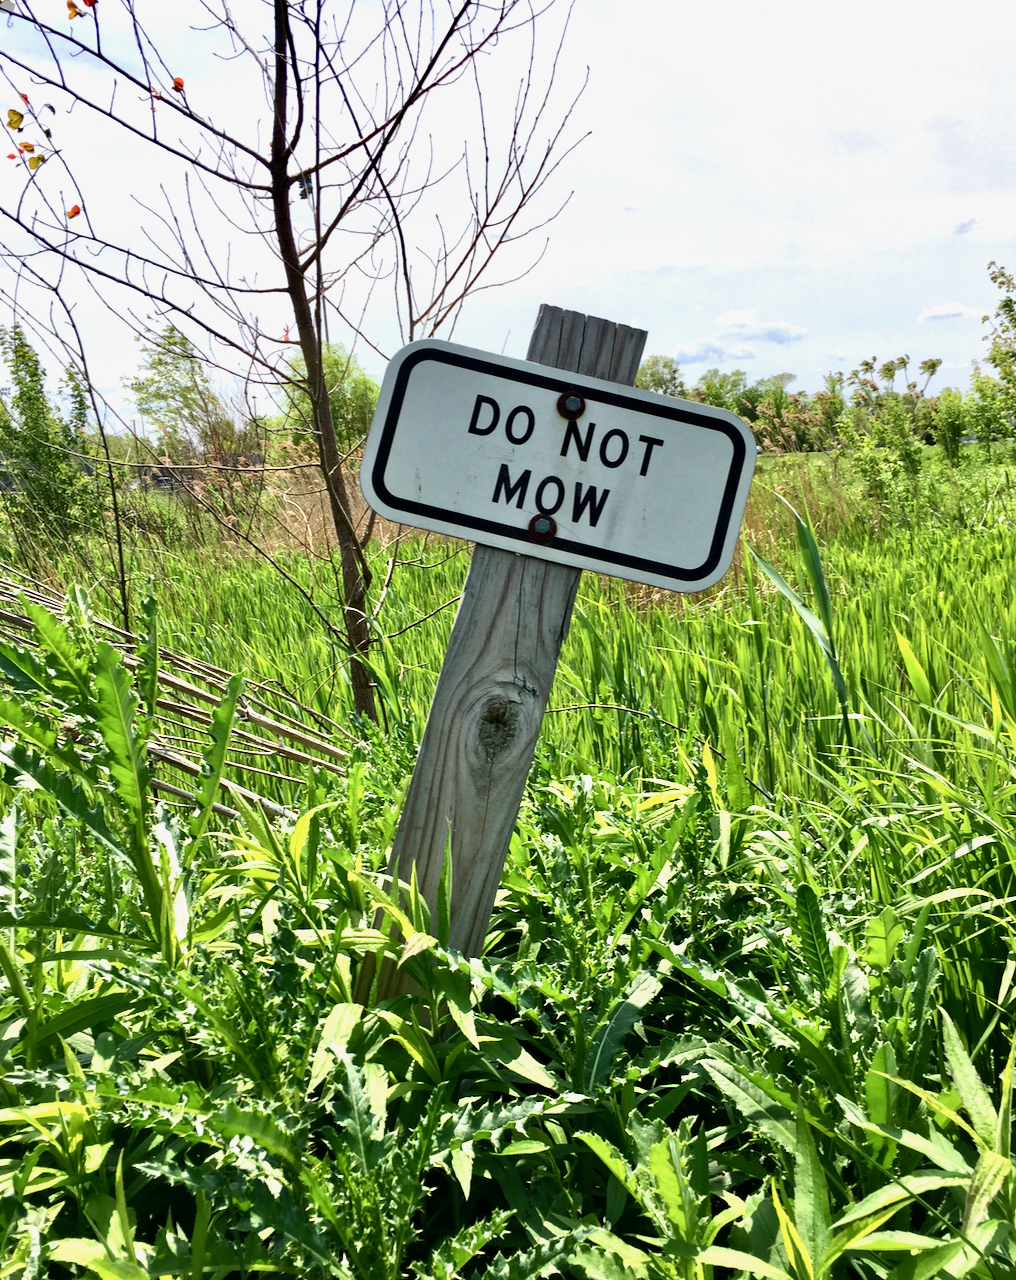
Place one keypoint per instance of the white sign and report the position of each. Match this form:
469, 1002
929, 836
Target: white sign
566, 468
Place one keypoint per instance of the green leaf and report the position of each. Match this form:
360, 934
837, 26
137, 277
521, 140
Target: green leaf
462, 1165
115, 706
813, 624
956, 1258
811, 1194
1003, 679
931, 1262
715, 1256
456, 1251
541, 1260
71, 798
85, 1014
760, 1111
610, 1038
894, 1241
919, 681
499, 1045
921, 1001
879, 1091
40, 735
613, 1159
234, 1121
738, 795
23, 670
601, 1261
991, 1171
882, 936
213, 761
523, 1147
93, 1256
672, 1187
900, 1191
975, 1097
68, 667
855, 1002
1003, 1136
123, 1218
11, 971
814, 942
333, 1036
360, 1120
816, 576
936, 1147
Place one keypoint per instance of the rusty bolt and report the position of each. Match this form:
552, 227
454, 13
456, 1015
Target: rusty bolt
542, 528
571, 405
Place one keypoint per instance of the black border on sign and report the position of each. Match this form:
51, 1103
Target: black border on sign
597, 395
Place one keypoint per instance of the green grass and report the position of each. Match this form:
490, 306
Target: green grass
747, 1001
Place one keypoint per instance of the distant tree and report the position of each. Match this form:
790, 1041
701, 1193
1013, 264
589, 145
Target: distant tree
988, 408
45, 485
177, 401
950, 423
661, 374
1002, 339
352, 392
886, 428
830, 405
784, 421
722, 390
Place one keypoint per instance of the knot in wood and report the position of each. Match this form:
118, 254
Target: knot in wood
498, 726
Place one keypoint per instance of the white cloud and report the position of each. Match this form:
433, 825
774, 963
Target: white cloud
712, 353
746, 324
947, 311
961, 228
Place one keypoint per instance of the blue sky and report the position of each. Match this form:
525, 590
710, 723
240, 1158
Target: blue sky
784, 187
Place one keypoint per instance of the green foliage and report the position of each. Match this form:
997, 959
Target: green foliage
747, 1002
783, 421
723, 390
950, 423
175, 398
988, 409
1002, 352
46, 487
353, 395
661, 374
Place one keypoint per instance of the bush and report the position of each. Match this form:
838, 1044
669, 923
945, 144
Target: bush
46, 482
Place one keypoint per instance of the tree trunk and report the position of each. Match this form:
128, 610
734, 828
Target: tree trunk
354, 572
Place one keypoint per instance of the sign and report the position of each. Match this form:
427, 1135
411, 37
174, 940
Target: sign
571, 469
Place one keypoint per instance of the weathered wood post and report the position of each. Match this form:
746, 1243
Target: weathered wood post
481, 733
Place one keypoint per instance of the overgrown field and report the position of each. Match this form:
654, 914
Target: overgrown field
746, 1006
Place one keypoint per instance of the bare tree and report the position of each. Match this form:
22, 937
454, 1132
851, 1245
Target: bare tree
306, 184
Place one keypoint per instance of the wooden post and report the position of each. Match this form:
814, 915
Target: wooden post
490, 698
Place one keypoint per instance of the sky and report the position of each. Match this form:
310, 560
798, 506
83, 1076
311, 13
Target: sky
786, 187
777, 188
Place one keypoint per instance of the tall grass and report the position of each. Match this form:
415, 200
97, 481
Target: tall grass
761, 848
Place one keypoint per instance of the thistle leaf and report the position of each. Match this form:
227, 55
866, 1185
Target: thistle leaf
814, 942
975, 1097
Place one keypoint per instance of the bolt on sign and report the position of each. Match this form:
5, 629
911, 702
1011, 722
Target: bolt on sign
570, 469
